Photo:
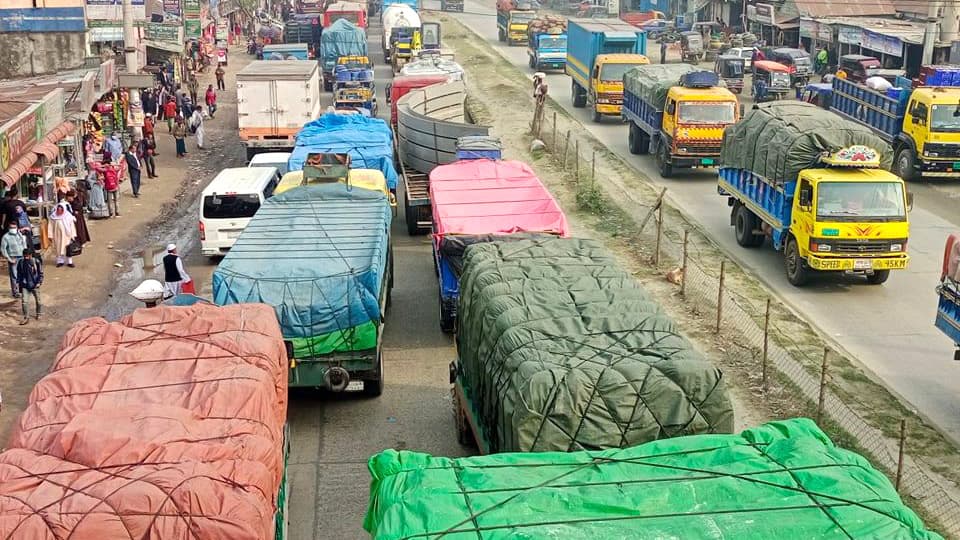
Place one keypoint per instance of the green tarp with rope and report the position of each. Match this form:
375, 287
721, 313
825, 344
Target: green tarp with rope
560, 350
780, 480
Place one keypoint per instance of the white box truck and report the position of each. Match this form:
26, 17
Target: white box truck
275, 98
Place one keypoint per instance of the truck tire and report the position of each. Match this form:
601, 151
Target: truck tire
579, 97
744, 223
878, 277
663, 161
373, 386
905, 165
501, 36
464, 433
797, 275
410, 216
447, 321
597, 116
531, 62
633, 139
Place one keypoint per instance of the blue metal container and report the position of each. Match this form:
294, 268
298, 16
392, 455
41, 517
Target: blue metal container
771, 203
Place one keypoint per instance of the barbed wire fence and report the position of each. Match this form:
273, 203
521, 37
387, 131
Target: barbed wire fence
702, 283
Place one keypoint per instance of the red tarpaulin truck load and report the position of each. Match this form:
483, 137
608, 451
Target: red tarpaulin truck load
479, 200
169, 423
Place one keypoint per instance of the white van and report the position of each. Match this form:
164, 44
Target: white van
271, 159
228, 203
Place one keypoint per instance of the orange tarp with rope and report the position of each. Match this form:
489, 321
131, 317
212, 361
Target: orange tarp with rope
166, 424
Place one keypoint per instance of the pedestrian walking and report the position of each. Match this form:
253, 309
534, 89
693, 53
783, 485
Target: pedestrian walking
148, 149
663, 50
180, 135
12, 246
63, 231
114, 147
221, 74
196, 125
170, 113
194, 86
111, 185
29, 279
133, 169
148, 125
23, 224
76, 207
211, 99
175, 277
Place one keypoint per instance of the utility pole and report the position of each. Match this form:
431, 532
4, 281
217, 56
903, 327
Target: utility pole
133, 67
931, 31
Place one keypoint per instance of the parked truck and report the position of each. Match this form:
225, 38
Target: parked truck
948, 305
678, 114
343, 38
599, 52
513, 18
547, 43
814, 183
920, 122
274, 100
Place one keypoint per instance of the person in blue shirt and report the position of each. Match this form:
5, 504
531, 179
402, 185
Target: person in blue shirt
12, 246
29, 277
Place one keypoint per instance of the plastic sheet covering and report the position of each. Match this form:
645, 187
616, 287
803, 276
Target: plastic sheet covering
369, 142
559, 368
453, 246
651, 82
165, 424
780, 480
778, 140
317, 254
342, 38
492, 197
358, 178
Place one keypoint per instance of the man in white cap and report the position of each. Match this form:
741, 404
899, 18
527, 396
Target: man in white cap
174, 275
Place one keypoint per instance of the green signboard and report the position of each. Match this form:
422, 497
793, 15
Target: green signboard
192, 28
163, 32
191, 6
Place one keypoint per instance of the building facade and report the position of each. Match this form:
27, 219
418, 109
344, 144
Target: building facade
41, 36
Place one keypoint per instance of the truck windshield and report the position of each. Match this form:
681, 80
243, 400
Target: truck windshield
860, 201
614, 72
945, 118
706, 113
553, 43
351, 16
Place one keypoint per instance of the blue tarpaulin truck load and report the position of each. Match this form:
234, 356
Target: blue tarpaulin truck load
320, 255
343, 38
599, 52
368, 141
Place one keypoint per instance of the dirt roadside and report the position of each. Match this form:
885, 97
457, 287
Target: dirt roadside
612, 208
71, 294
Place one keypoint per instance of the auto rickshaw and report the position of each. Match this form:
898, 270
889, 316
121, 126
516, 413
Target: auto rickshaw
819, 94
771, 80
691, 47
730, 69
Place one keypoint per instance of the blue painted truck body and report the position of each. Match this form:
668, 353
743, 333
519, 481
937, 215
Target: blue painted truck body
770, 202
545, 51
880, 112
587, 38
647, 116
948, 311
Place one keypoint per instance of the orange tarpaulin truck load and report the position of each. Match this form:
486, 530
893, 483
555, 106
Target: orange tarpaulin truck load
169, 423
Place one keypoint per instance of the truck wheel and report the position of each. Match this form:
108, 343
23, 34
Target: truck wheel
464, 434
878, 277
373, 387
905, 164
501, 36
744, 223
410, 215
531, 62
579, 98
446, 319
797, 275
633, 139
663, 162
597, 116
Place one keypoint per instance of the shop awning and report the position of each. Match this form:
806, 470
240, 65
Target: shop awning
46, 148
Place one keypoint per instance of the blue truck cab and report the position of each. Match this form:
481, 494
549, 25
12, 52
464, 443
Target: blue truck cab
948, 291
547, 51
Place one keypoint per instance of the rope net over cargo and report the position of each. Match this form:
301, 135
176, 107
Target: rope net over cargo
166, 424
783, 479
560, 350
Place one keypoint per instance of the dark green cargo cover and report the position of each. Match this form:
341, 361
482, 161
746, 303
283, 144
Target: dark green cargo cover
778, 140
651, 82
561, 350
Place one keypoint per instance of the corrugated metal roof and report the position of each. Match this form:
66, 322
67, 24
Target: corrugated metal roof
858, 8
906, 31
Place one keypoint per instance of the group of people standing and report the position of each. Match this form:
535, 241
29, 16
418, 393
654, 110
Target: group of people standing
183, 116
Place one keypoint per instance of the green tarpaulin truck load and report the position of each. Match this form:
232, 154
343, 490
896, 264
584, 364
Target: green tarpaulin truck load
560, 350
778, 140
652, 82
780, 480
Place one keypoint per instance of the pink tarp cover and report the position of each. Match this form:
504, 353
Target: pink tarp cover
484, 196
166, 424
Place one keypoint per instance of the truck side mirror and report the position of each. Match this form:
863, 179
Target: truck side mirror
388, 88
742, 110
909, 201
806, 198
671, 107
915, 119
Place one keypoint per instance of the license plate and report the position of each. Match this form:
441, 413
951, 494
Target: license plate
355, 386
233, 234
706, 161
956, 165
862, 264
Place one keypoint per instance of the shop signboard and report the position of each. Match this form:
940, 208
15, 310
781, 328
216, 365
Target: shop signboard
222, 30
824, 33
808, 28
17, 136
192, 28
163, 32
851, 35
172, 7
881, 43
762, 13
191, 6
112, 10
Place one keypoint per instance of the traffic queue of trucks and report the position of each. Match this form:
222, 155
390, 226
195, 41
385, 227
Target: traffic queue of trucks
599, 52
513, 18
547, 43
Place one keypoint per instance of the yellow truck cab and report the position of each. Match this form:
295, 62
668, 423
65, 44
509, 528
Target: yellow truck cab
922, 124
605, 93
812, 185
599, 52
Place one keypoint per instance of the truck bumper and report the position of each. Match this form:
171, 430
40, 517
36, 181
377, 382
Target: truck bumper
859, 263
940, 169
611, 109
694, 162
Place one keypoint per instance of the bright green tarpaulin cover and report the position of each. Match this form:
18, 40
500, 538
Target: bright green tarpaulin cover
783, 480
778, 140
561, 350
359, 338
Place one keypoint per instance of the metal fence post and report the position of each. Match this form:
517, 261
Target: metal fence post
656, 253
683, 265
566, 146
723, 268
576, 161
823, 385
553, 139
903, 441
766, 345
593, 168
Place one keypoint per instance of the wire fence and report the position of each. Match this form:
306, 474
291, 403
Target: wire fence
702, 276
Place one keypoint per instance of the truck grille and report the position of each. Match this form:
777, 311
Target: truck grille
942, 150
698, 149
868, 247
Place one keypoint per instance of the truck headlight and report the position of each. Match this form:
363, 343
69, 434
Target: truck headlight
682, 150
821, 248
930, 154
896, 247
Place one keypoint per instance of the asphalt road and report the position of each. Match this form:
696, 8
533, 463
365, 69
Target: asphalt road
889, 328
